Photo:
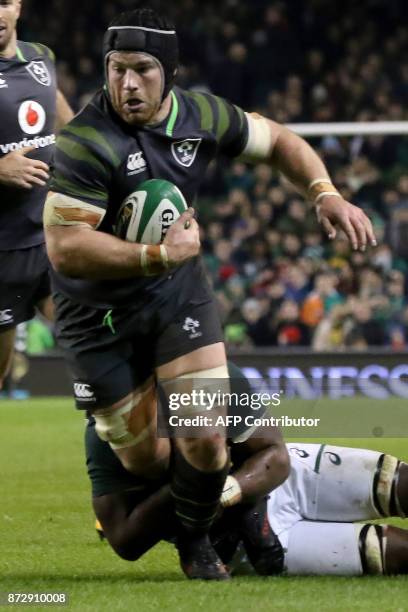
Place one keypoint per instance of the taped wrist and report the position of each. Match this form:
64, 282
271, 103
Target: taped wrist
232, 492
153, 259
319, 188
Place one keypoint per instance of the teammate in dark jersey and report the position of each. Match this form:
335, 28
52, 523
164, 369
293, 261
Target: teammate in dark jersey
124, 310
30, 108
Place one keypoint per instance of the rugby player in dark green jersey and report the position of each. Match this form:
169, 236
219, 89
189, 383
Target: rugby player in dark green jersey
124, 310
31, 108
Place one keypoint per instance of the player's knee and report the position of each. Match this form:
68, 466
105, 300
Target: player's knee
372, 549
125, 549
128, 548
113, 426
148, 461
207, 454
141, 452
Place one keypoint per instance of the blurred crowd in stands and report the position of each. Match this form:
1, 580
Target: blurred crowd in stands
278, 280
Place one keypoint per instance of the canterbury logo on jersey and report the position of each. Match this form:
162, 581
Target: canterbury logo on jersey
84, 392
39, 142
136, 163
6, 316
3, 82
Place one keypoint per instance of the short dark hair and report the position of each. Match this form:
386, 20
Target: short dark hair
145, 18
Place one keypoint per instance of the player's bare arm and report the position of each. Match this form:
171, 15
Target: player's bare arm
263, 466
133, 528
64, 111
293, 156
77, 251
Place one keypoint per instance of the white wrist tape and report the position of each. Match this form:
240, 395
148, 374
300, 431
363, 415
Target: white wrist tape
154, 259
232, 493
319, 188
164, 256
325, 193
323, 179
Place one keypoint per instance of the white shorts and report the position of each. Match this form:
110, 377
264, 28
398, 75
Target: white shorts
312, 513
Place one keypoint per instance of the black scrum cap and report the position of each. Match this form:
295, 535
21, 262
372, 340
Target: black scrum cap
161, 44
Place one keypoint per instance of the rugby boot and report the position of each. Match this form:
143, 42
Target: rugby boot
198, 559
226, 545
261, 544
224, 536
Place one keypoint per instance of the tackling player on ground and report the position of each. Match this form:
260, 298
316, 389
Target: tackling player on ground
314, 513
122, 307
138, 512
31, 108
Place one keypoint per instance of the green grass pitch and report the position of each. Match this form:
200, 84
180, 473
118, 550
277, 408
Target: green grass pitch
48, 542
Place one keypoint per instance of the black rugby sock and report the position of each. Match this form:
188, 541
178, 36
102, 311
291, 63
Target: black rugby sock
196, 495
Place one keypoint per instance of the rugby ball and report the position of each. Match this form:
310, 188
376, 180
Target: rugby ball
146, 214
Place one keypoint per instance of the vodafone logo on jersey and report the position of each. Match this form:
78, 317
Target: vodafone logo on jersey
31, 117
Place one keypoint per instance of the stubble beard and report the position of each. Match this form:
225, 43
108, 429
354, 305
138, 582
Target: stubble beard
6, 43
146, 119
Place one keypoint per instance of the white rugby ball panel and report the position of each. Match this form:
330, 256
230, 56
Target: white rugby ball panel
146, 214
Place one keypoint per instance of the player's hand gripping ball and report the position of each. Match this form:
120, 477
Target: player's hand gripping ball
146, 214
